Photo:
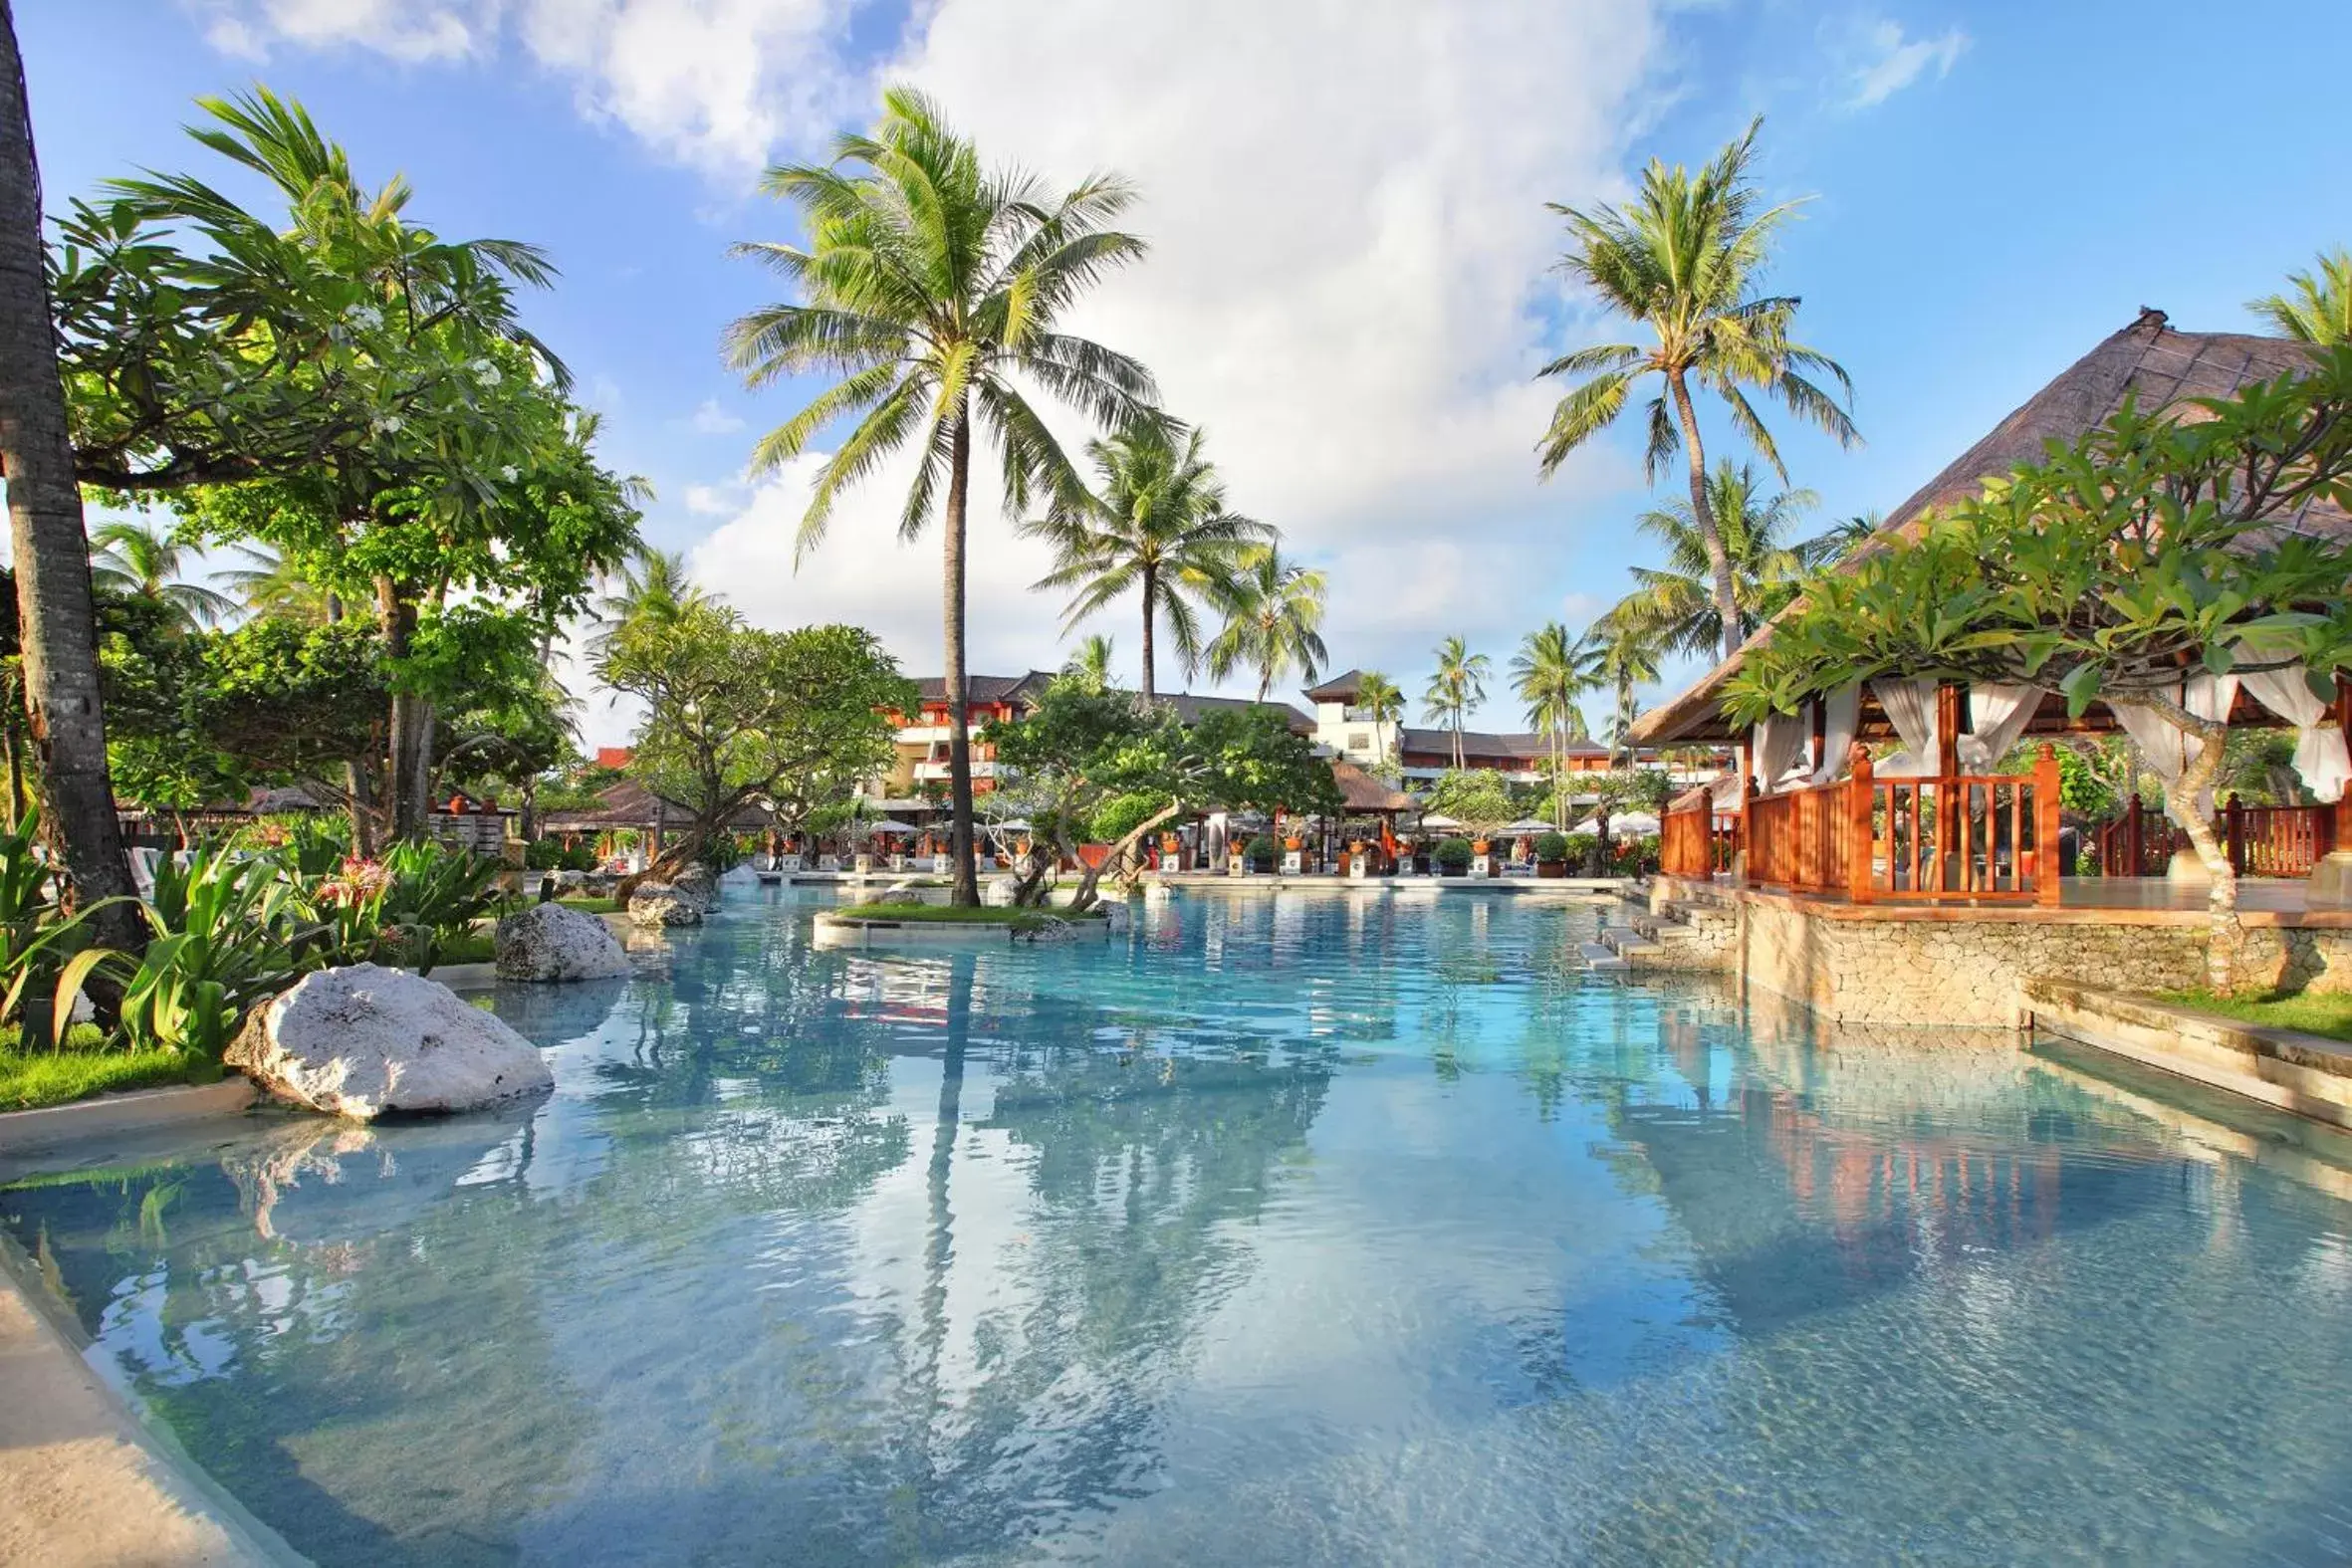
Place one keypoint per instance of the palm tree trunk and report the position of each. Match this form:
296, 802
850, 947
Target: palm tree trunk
965, 891
1151, 603
66, 722
1718, 560
395, 619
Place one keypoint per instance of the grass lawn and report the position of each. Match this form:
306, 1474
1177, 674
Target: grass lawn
38, 1078
587, 903
952, 915
2311, 1013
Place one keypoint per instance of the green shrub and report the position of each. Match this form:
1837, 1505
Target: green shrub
1551, 846
550, 855
1122, 815
1263, 852
1452, 856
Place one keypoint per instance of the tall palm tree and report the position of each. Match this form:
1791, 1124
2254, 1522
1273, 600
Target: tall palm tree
1683, 261
1549, 673
265, 583
1090, 665
1766, 566
145, 562
2320, 309
1273, 620
1157, 526
56, 620
1630, 649
1378, 696
932, 285
1457, 688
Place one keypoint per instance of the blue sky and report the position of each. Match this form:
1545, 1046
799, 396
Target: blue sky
1349, 286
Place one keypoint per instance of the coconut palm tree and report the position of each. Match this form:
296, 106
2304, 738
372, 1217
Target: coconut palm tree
654, 585
265, 583
57, 619
1766, 566
931, 288
1457, 688
142, 560
1551, 671
1378, 696
1630, 649
1683, 261
1273, 618
1156, 527
1090, 665
2319, 311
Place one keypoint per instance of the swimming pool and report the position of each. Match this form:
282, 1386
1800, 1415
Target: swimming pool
1304, 1228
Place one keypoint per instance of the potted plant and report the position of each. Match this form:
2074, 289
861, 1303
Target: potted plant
1261, 853
1551, 854
1452, 856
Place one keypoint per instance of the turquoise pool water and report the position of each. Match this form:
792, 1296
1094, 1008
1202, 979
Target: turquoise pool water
1316, 1228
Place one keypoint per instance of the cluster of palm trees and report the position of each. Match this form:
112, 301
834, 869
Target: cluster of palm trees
1156, 525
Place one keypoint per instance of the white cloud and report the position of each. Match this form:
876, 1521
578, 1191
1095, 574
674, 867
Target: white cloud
1887, 62
714, 501
710, 419
712, 83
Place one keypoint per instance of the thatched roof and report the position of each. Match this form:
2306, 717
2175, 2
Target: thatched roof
2164, 368
1363, 794
630, 803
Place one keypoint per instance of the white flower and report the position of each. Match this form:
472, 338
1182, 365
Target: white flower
365, 316
509, 473
389, 424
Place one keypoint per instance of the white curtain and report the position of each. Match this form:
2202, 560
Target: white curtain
1911, 708
1841, 720
1779, 749
1727, 791
2000, 714
2319, 745
2168, 749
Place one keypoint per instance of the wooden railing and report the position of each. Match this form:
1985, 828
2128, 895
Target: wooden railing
1991, 837
1697, 840
2262, 840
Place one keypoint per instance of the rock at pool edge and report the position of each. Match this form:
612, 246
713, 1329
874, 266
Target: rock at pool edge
550, 942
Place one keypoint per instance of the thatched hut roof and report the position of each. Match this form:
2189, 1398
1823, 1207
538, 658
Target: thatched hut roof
1362, 794
2162, 366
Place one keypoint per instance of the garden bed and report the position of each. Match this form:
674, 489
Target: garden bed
85, 1066
2302, 1011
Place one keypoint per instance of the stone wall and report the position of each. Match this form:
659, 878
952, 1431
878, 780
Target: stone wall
1944, 971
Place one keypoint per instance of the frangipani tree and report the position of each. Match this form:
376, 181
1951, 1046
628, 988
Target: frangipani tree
2153, 551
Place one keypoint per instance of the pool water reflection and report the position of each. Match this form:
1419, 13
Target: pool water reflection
1288, 1228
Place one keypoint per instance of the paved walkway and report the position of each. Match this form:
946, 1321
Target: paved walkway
79, 1485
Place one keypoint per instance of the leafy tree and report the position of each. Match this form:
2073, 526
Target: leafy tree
1477, 797
1273, 618
2149, 546
932, 287
2319, 310
142, 559
1156, 527
1767, 565
1551, 672
1683, 261
735, 715
1622, 789
1457, 688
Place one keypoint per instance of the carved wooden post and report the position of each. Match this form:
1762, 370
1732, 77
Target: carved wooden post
1862, 835
1951, 844
1744, 855
2233, 830
2046, 793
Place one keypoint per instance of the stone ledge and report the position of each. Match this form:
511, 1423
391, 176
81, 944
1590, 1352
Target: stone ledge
133, 1111
2306, 1074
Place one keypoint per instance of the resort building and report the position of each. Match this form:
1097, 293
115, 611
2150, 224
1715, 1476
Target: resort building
1422, 756
1879, 866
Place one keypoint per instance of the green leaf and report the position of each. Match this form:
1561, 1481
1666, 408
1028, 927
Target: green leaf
2079, 688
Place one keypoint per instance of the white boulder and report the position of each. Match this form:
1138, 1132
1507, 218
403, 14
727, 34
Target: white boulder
698, 883
660, 904
361, 1041
550, 942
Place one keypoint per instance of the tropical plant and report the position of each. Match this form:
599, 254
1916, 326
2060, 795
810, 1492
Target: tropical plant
1683, 260
2320, 308
1273, 618
225, 934
1380, 698
145, 562
1551, 672
2152, 547
1477, 797
1457, 688
265, 583
932, 287
1156, 525
1768, 568
1629, 655
436, 895
1090, 664
1452, 856
652, 585
1550, 849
